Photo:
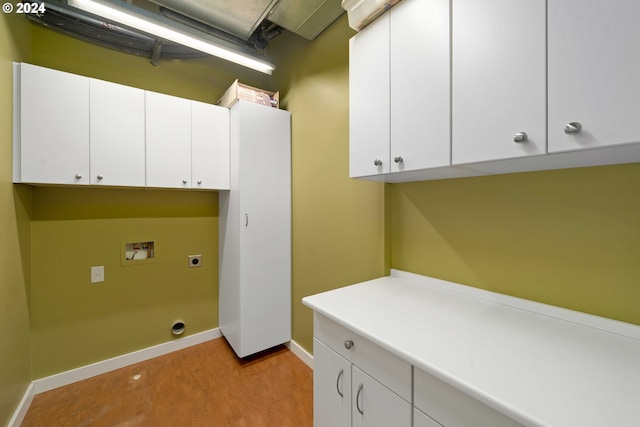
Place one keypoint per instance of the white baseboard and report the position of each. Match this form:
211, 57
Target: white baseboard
88, 371
23, 407
302, 354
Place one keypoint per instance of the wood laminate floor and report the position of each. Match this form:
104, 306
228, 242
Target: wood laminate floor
202, 386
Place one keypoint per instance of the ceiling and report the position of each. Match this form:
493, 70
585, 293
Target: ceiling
248, 25
241, 18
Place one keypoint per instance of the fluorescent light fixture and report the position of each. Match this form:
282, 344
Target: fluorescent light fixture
165, 29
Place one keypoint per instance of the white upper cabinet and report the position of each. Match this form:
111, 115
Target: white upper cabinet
51, 127
69, 130
209, 146
399, 91
594, 73
168, 148
369, 100
498, 79
117, 134
419, 103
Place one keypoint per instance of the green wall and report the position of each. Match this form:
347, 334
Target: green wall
338, 223
569, 237
15, 206
76, 322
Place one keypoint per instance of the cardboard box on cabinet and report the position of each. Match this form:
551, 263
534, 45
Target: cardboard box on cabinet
248, 93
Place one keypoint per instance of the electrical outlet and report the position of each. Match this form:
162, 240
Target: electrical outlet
97, 274
195, 261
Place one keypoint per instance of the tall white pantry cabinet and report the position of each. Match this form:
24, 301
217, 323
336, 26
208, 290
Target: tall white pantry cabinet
255, 231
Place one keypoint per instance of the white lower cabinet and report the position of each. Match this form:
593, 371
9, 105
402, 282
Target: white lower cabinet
356, 382
331, 387
360, 384
374, 405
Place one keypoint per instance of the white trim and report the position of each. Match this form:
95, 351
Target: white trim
23, 407
98, 368
300, 352
585, 319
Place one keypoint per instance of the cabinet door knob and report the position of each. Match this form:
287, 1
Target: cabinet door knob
100, 177
184, 181
521, 137
398, 159
348, 344
78, 176
361, 410
199, 182
573, 128
377, 162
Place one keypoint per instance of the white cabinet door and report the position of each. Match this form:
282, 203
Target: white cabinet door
117, 134
53, 126
594, 73
420, 123
498, 79
209, 146
374, 405
265, 206
255, 231
369, 100
331, 387
168, 148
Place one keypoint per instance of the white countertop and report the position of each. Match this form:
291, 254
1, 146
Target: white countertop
538, 364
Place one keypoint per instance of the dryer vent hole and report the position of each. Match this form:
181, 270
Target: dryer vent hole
177, 328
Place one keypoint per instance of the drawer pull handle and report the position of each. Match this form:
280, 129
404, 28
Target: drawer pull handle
348, 344
377, 162
340, 374
358, 400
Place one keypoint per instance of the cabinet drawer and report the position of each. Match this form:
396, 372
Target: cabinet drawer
451, 407
381, 364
